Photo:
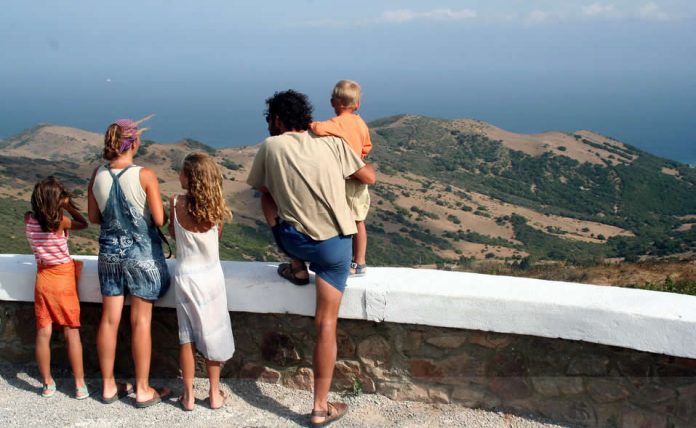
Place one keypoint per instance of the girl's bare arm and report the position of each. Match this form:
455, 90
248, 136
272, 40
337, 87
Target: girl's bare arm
148, 179
78, 221
172, 231
92, 207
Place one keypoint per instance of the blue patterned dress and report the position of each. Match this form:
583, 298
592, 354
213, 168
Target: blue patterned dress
131, 259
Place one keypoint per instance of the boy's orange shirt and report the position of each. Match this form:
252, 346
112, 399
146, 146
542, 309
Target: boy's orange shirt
348, 126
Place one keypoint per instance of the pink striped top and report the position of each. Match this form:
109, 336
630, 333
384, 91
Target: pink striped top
49, 249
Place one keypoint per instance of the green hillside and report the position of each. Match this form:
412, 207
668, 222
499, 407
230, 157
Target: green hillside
634, 195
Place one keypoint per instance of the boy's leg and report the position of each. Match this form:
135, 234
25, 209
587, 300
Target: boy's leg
141, 329
324, 360
112, 306
358, 198
360, 243
187, 360
72, 336
43, 353
215, 396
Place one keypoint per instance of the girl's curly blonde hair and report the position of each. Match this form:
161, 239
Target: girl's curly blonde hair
205, 201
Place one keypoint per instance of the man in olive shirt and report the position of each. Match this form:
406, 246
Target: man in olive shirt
302, 178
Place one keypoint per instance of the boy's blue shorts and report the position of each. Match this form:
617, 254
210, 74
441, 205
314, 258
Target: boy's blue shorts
328, 259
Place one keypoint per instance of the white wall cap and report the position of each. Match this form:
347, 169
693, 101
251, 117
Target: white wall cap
638, 319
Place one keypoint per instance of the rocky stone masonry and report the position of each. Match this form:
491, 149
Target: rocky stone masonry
567, 381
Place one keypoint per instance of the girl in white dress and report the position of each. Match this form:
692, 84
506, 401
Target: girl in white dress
199, 283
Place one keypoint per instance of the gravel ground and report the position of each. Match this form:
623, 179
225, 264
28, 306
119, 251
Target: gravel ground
249, 404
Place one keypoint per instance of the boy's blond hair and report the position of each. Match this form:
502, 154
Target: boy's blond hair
346, 94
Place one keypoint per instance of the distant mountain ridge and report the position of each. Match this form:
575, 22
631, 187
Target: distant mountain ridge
448, 191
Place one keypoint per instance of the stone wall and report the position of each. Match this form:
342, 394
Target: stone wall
568, 381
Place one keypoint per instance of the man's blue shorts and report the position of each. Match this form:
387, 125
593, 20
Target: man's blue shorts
328, 259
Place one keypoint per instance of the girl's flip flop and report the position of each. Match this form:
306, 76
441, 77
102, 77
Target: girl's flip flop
48, 390
122, 391
81, 393
180, 400
162, 394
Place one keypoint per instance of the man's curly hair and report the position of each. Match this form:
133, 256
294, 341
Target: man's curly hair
292, 108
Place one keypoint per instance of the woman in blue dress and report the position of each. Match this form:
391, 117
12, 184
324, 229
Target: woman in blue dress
125, 200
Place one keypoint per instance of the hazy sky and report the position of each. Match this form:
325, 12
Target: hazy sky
624, 68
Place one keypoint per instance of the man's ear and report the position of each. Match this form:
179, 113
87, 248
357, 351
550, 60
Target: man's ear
279, 124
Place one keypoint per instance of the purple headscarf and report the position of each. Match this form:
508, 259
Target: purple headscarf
129, 133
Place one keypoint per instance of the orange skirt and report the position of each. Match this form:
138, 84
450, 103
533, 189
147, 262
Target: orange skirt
55, 295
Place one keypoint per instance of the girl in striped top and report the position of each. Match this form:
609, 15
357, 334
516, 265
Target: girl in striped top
55, 294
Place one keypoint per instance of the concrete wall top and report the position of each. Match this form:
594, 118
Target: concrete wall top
644, 320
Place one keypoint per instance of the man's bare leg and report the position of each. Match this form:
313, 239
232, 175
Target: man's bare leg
324, 360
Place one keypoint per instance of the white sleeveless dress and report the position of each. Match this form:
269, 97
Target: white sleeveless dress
201, 296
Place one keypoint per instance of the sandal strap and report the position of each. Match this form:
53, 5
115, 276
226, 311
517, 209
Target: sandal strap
81, 392
48, 390
288, 266
337, 407
298, 269
331, 408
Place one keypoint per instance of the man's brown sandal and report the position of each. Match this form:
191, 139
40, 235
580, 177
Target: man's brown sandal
288, 272
334, 412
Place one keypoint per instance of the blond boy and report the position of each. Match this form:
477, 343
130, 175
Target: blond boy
347, 125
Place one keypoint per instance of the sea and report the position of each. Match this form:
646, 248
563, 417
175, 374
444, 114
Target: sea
229, 112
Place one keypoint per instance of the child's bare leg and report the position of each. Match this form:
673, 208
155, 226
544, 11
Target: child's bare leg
141, 327
43, 353
72, 336
360, 243
187, 360
215, 396
112, 306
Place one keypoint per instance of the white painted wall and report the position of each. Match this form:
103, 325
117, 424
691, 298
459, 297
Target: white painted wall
638, 319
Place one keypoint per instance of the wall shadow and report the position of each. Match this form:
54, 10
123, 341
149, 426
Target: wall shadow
250, 392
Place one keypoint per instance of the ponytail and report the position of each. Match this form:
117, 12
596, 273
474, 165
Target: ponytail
112, 142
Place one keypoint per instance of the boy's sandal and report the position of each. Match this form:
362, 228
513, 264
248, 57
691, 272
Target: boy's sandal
47, 390
81, 393
358, 269
122, 391
288, 272
334, 412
